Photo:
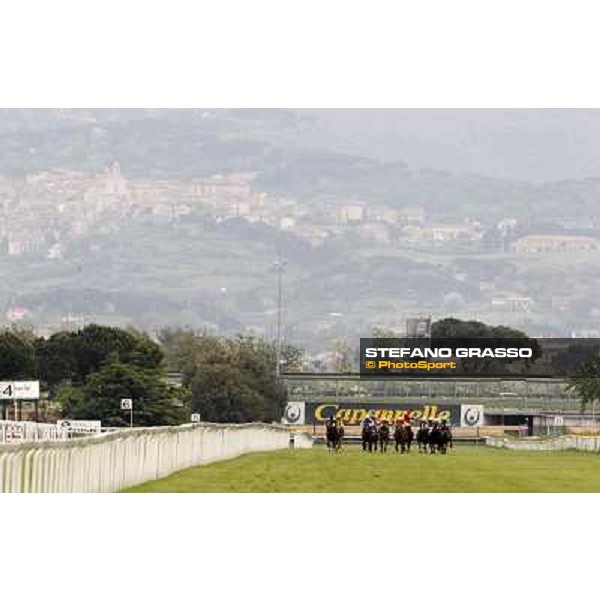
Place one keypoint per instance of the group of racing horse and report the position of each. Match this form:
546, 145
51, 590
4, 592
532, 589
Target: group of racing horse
432, 437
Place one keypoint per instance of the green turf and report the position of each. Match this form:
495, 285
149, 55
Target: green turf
466, 469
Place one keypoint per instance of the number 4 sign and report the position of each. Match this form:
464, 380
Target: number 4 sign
126, 404
7, 391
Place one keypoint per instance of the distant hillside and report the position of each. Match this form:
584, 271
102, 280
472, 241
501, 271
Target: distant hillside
183, 144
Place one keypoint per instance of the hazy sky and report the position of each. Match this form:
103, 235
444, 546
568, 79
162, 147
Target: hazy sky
531, 144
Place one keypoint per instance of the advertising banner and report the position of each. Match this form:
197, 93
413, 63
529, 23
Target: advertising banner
352, 413
86, 427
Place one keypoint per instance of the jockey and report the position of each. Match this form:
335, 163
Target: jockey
369, 420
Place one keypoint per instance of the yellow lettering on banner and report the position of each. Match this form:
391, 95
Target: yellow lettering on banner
345, 414
399, 415
444, 415
319, 412
415, 415
357, 416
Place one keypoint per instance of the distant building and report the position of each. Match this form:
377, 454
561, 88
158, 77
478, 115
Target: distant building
350, 213
555, 243
515, 304
287, 223
375, 232
419, 327
15, 314
55, 252
413, 215
315, 236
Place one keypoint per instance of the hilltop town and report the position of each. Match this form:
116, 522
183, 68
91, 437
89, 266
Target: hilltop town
59, 217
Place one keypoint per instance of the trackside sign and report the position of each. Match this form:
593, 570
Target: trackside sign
19, 390
84, 427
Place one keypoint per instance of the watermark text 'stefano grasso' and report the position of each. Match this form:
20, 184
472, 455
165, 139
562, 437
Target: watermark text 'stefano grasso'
476, 357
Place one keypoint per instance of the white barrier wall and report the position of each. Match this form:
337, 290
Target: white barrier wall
567, 442
114, 461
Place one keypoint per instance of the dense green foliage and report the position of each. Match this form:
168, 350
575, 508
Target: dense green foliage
586, 383
17, 356
230, 379
154, 402
86, 373
72, 357
465, 469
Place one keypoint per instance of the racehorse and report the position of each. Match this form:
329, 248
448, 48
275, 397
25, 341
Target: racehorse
370, 436
403, 435
436, 439
333, 437
440, 438
384, 437
423, 438
444, 439
339, 427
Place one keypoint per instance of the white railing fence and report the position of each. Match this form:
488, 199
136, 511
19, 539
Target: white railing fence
115, 461
566, 442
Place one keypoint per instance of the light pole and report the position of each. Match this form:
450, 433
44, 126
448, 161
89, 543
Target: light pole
280, 265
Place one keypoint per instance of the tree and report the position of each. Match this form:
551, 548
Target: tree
256, 360
56, 358
17, 356
222, 394
155, 402
345, 356
586, 383
230, 379
73, 356
457, 334
382, 333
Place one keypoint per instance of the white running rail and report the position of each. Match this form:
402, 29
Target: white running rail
115, 461
566, 442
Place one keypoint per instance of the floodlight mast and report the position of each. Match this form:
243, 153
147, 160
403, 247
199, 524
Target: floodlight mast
280, 266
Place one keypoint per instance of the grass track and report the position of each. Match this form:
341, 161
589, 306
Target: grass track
464, 470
